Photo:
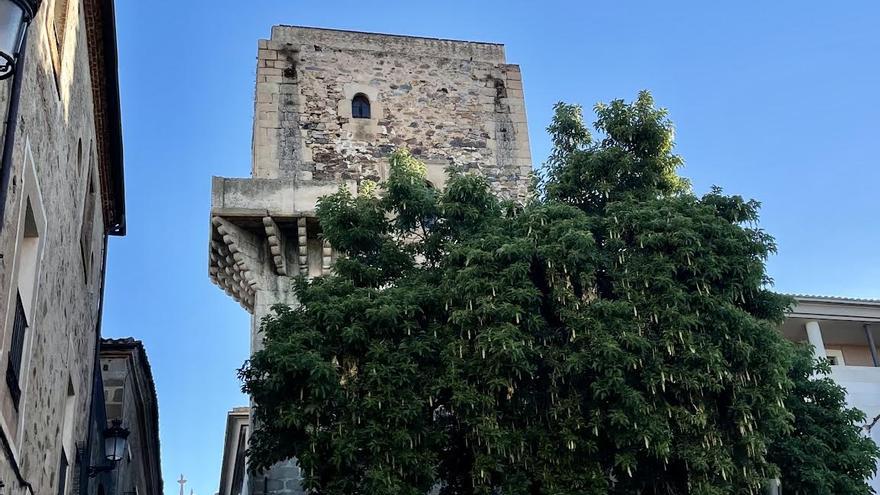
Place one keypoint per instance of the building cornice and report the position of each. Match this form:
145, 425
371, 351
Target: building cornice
836, 308
100, 20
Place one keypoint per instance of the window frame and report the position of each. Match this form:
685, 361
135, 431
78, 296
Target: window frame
56, 43
836, 355
13, 427
359, 102
87, 220
63, 470
15, 353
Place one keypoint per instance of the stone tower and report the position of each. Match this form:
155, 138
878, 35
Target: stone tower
331, 106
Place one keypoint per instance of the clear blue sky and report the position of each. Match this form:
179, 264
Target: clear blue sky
772, 100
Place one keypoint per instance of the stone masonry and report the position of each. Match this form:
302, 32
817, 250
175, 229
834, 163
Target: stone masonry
451, 103
55, 174
130, 396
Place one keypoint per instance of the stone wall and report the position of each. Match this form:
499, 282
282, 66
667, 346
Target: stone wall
450, 102
130, 397
52, 161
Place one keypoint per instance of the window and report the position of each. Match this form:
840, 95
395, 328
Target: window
69, 418
16, 350
59, 21
239, 469
79, 157
360, 106
430, 221
21, 300
62, 473
27, 270
87, 228
835, 357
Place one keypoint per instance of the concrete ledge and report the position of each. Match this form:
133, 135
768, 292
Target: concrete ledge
390, 43
836, 309
283, 197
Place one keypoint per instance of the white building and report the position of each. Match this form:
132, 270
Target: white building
843, 330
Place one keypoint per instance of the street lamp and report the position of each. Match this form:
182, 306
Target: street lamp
15, 15
115, 443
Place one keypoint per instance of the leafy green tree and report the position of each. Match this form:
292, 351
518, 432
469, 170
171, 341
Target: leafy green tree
826, 453
614, 335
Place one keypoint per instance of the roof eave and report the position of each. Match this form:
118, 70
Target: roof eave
114, 113
104, 66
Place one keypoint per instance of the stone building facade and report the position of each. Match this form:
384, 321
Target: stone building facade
130, 397
63, 154
331, 106
449, 102
234, 465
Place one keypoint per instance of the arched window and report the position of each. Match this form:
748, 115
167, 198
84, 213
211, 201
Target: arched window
360, 106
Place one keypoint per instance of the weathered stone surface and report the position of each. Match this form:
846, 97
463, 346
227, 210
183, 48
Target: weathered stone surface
450, 102
130, 396
54, 155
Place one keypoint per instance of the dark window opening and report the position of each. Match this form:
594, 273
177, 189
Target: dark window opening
16, 349
430, 221
360, 106
26, 261
238, 470
62, 473
87, 228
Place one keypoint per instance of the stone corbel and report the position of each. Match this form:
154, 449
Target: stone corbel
234, 261
326, 258
302, 240
276, 245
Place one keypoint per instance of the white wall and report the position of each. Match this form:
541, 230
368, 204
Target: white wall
862, 384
